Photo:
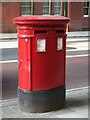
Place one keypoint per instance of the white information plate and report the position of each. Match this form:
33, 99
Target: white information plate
59, 43
41, 45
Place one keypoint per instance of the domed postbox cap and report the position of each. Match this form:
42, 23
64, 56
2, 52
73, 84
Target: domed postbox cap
41, 20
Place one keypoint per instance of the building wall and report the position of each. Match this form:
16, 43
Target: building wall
0, 17
76, 16
76, 13
86, 23
11, 10
37, 8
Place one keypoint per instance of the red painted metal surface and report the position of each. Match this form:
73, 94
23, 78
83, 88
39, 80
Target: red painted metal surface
24, 73
41, 70
41, 20
48, 68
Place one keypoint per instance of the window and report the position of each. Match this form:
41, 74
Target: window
57, 7
52, 7
86, 9
46, 7
27, 8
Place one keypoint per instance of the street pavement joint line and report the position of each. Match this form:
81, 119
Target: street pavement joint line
6, 100
76, 89
71, 56
77, 50
9, 61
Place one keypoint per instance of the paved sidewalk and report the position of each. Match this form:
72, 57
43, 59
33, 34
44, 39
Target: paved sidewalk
69, 34
78, 34
76, 107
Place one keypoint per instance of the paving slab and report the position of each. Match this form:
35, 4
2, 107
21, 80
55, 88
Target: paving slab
78, 33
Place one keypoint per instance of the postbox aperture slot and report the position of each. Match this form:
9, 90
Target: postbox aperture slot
59, 43
41, 45
59, 31
40, 31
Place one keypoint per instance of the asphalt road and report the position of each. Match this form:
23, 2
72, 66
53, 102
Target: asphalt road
11, 53
76, 76
74, 46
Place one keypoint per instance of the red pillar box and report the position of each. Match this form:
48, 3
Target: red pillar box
41, 62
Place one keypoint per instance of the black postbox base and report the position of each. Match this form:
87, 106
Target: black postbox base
42, 100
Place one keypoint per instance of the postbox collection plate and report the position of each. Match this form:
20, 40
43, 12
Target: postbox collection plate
59, 43
41, 45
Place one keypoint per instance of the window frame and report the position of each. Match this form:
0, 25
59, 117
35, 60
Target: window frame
53, 7
49, 1
60, 9
86, 7
30, 7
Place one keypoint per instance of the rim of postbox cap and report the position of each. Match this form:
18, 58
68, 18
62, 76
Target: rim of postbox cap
40, 19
